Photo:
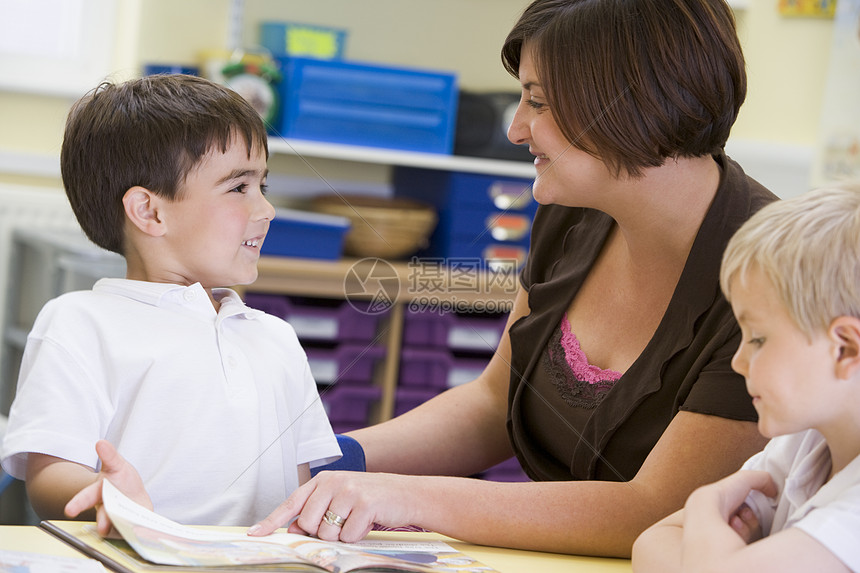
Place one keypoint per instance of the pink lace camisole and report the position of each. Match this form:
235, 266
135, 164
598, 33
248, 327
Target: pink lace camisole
580, 383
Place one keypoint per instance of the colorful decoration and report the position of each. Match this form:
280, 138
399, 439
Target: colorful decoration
808, 8
254, 77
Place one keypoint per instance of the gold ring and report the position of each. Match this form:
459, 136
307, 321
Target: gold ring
334, 519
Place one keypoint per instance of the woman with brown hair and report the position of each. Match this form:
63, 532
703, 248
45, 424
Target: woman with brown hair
612, 383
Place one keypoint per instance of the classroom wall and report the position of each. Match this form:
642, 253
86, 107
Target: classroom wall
787, 63
147, 31
777, 131
787, 60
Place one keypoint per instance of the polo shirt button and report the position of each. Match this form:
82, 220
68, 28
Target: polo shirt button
231, 362
189, 295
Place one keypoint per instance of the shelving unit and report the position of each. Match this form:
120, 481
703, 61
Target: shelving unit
326, 279
43, 265
316, 278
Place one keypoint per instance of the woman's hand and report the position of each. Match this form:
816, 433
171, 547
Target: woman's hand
120, 473
359, 499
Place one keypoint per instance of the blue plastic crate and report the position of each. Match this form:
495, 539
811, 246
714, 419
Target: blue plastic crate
481, 216
304, 234
369, 105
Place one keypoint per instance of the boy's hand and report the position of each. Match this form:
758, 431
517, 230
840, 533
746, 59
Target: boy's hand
728, 496
121, 474
746, 524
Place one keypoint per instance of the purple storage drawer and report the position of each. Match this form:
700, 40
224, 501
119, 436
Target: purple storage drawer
331, 321
356, 323
475, 332
509, 471
273, 304
437, 368
339, 427
454, 331
408, 398
425, 367
320, 319
465, 370
425, 329
345, 364
349, 404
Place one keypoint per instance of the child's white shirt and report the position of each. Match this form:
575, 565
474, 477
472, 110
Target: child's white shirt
829, 512
215, 410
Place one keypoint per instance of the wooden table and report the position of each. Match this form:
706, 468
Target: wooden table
32, 539
515, 560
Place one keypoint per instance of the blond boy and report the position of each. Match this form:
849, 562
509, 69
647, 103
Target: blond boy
792, 275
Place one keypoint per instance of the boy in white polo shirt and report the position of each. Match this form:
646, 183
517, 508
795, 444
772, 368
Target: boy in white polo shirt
792, 275
211, 402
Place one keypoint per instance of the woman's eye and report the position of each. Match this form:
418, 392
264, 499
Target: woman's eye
757, 341
535, 104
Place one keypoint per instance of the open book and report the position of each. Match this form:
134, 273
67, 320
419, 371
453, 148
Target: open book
155, 543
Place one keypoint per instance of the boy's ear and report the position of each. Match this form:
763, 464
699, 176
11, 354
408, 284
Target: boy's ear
844, 331
142, 209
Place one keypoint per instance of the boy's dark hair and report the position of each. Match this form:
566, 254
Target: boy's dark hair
634, 82
148, 132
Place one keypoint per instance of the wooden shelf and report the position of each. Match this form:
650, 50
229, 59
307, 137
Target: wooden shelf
302, 148
419, 279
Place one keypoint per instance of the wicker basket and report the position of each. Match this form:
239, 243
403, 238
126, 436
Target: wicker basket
381, 227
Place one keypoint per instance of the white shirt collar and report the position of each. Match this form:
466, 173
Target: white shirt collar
165, 294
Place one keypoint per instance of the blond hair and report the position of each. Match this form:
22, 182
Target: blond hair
809, 248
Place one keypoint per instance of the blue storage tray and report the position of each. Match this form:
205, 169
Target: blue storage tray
304, 234
369, 105
467, 203
489, 251
506, 227
449, 190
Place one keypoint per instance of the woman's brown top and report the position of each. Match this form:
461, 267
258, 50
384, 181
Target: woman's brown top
686, 365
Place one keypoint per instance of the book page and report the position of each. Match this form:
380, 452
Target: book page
165, 542
436, 555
